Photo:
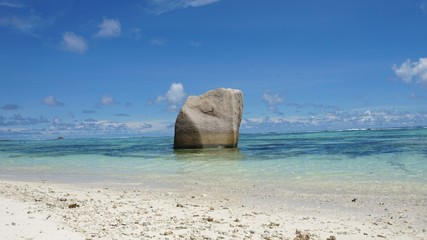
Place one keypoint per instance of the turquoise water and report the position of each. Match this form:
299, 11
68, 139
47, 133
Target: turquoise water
359, 157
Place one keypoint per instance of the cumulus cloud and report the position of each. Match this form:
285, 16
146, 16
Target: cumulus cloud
76, 128
18, 119
109, 28
52, 101
73, 43
92, 127
163, 6
108, 100
18, 126
272, 101
10, 107
174, 97
410, 71
339, 120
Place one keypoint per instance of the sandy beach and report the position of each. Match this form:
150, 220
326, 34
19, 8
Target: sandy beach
43, 210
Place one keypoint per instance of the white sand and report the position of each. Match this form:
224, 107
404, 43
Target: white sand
41, 211
19, 220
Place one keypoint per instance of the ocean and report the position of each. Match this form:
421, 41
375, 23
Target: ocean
353, 159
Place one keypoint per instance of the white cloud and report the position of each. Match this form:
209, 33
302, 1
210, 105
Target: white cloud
163, 6
157, 42
272, 101
195, 44
52, 101
84, 128
18, 119
174, 97
199, 3
109, 28
410, 72
24, 24
423, 6
11, 4
136, 33
10, 106
40, 127
340, 120
108, 100
73, 43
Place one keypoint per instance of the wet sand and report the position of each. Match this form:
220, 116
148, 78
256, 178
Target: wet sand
46, 210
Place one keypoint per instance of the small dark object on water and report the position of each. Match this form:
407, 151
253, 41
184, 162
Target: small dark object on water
354, 200
73, 205
60, 138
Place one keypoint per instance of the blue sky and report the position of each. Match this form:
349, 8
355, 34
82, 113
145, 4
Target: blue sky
124, 68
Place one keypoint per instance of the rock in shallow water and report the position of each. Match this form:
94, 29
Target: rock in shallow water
210, 120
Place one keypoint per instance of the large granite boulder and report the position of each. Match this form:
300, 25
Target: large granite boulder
210, 120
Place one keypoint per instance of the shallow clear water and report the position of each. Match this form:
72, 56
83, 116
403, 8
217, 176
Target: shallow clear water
357, 157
